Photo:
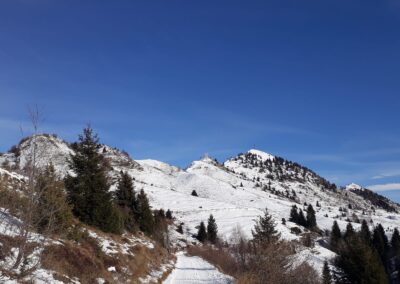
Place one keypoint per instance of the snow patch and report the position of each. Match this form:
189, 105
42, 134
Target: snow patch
263, 155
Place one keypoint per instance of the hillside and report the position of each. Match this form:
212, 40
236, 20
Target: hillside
235, 192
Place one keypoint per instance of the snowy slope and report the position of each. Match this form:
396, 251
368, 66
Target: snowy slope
48, 147
193, 269
235, 192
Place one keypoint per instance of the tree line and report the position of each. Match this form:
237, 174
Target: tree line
91, 200
365, 256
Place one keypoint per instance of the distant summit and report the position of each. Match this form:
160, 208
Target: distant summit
263, 155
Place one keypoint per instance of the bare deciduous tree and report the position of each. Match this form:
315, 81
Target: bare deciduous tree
24, 211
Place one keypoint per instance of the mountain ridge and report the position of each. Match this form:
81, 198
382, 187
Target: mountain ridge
236, 191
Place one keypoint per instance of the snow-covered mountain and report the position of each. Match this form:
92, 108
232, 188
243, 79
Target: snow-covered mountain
235, 192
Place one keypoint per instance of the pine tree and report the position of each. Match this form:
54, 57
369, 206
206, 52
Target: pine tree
212, 230
180, 228
125, 194
349, 231
380, 242
336, 236
326, 274
294, 215
357, 262
125, 198
395, 242
264, 230
302, 220
143, 213
169, 214
311, 220
365, 233
88, 189
160, 213
194, 193
202, 233
394, 261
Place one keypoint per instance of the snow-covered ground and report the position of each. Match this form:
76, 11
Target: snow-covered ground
236, 192
195, 270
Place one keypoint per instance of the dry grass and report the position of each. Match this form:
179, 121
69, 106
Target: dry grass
219, 257
271, 263
75, 261
86, 261
7, 243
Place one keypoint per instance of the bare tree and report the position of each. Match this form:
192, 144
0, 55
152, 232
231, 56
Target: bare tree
27, 212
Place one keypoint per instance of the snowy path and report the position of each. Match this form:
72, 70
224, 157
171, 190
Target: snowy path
193, 270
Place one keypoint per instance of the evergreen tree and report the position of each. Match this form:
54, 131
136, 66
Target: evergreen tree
326, 274
302, 220
202, 233
125, 194
180, 228
125, 198
349, 231
357, 262
264, 230
212, 230
365, 232
143, 213
395, 242
88, 189
294, 215
169, 214
160, 213
336, 236
380, 242
311, 220
394, 261
194, 193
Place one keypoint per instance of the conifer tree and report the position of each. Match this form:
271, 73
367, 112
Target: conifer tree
125, 198
125, 194
194, 193
357, 262
160, 213
395, 242
143, 213
212, 230
365, 233
349, 231
264, 230
180, 228
294, 215
326, 274
380, 242
336, 236
311, 220
168, 214
302, 220
202, 233
88, 189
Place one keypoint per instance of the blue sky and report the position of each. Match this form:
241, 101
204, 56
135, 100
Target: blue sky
313, 81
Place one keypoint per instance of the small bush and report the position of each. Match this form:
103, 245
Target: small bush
295, 230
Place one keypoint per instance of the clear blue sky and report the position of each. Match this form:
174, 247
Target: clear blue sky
317, 82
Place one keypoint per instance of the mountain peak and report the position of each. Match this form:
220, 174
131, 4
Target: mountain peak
353, 186
264, 156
